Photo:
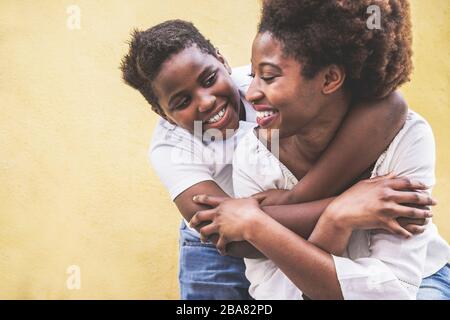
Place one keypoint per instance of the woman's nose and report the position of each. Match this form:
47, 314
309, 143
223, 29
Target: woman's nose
254, 93
206, 103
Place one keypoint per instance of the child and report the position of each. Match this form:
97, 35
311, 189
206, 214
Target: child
187, 82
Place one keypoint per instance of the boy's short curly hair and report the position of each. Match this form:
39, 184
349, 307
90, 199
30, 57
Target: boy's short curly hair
318, 33
149, 49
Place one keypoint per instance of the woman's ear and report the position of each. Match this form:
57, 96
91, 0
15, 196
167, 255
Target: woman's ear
333, 79
223, 60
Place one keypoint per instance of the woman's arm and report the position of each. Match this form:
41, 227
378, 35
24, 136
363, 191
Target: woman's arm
309, 267
394, 269
364, 135
242, 219
370, 204
301, 218
188, 208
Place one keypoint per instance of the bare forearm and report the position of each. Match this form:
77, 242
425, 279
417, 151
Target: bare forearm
300, 218
238, 249
330, 236
243, 249
311, 269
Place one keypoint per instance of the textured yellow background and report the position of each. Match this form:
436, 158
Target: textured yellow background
76, 185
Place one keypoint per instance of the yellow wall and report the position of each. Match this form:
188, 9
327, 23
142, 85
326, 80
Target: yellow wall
76, 186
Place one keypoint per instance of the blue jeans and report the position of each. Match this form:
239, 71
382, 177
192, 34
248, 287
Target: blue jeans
436, 286
206, 275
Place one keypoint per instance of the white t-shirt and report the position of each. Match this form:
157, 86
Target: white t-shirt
182, 160
376, 265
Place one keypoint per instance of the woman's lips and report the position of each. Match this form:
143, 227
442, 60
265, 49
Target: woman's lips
263, 107
266, 121
265, 115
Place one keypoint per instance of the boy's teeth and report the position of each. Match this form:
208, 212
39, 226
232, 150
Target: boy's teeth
263, 114
217, 117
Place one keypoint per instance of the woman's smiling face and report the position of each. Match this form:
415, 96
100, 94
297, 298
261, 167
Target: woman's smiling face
195, 86
282, 97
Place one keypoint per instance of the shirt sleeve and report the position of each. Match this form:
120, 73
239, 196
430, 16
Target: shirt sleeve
246, 168
178, 161
244, 186
394, 267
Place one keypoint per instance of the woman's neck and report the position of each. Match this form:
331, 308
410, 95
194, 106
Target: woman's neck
312, 140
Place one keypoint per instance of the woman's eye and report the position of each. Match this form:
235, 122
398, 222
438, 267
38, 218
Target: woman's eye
210, 80
268, 78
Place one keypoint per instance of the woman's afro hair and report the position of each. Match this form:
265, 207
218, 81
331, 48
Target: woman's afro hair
318, 33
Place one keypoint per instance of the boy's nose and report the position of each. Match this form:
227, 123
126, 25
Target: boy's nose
206, 103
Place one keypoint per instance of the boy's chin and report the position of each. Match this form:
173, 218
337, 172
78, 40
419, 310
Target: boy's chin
229, 123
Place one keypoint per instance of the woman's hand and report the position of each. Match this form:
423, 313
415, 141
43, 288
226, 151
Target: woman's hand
274, 197
379, 203
231, 218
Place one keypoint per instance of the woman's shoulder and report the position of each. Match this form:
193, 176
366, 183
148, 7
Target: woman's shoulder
415, 126
246, 143
252, 153
416, 130
411, 153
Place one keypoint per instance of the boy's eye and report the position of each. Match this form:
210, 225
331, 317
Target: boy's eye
183, 103
210, 80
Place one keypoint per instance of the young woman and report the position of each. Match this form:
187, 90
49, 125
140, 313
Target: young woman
310, 61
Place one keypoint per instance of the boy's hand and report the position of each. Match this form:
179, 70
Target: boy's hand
383, 203
274, 197
231, 219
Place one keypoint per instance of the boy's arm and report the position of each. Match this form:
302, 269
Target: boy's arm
184, 202
300, 218
188, 208
364, 135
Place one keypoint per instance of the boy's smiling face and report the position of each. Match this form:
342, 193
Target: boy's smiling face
196, 86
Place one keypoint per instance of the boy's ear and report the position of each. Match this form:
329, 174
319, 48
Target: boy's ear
334, 78
161, 113
223, 60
